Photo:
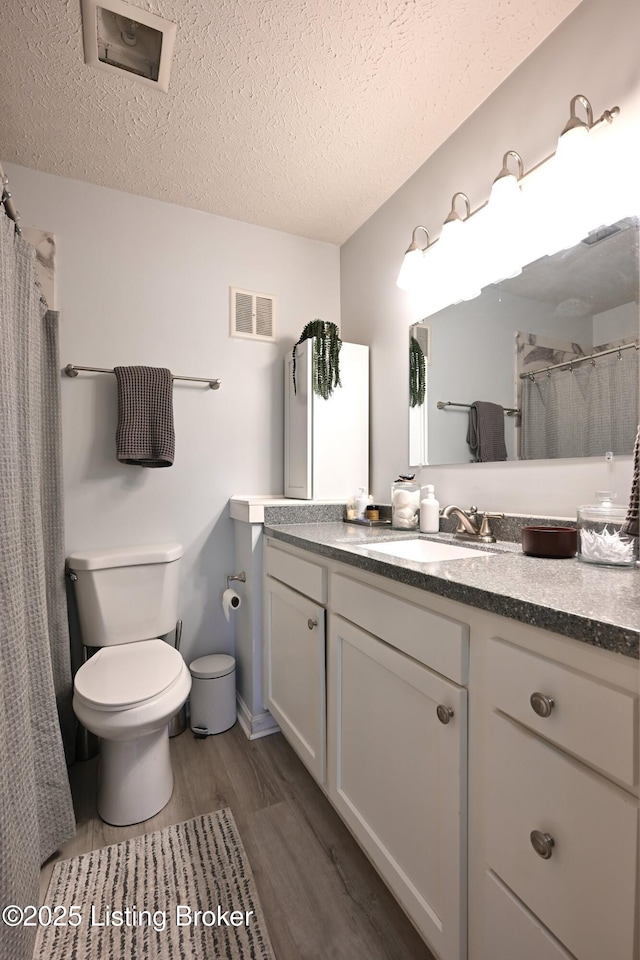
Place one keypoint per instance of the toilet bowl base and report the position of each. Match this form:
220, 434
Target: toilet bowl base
135, 779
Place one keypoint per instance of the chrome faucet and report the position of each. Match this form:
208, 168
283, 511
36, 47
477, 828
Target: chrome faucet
471, 524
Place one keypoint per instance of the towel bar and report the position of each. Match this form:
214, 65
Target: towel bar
71, 370
441, 404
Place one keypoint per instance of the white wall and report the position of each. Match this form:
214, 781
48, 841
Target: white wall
593, 52
614, 324
144, 282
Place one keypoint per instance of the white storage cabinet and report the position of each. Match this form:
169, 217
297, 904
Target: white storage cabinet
326, 442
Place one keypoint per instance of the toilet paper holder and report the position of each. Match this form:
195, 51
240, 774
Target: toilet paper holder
242, 577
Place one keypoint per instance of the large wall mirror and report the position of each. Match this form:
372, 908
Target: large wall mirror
556, 347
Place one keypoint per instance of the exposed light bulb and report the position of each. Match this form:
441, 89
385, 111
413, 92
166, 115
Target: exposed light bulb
128, 30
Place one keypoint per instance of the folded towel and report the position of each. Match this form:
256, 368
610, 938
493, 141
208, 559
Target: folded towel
485, 434
145, 436
631, 526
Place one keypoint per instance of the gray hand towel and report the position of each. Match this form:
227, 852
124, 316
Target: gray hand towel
485, 434
145, 435
631, 526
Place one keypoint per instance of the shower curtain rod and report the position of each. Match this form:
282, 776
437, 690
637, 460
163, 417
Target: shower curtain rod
71, 370
9, 205
569, 363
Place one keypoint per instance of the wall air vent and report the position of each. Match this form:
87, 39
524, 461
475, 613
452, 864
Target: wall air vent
252, 315
121, 38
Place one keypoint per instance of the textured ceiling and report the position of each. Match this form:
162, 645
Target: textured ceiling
302, 115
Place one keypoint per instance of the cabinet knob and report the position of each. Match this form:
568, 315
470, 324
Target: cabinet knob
542, 843
312, 623
444, 713
541, 704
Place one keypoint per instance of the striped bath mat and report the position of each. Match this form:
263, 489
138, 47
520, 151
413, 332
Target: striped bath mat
182, 893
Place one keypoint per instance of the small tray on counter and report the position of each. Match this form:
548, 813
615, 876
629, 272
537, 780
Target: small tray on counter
368, 523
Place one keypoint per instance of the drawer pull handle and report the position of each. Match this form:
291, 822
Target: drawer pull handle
541, 704
444, 713
542, 843
312, 623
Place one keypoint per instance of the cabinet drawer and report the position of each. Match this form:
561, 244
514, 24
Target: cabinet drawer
436, 641
586, 891
511, 932
302, 575
593, 720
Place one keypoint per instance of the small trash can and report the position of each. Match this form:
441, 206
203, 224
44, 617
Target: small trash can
213, 694
178, 722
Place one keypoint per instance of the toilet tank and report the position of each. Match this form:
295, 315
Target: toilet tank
126, 594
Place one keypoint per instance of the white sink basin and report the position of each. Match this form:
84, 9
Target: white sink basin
424, 551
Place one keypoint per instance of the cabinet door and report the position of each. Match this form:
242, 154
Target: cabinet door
294, 665
397, 775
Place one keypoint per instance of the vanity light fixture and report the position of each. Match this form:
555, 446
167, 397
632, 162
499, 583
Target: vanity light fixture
574, 174
454, 256
410, 275
505, 224
517, 225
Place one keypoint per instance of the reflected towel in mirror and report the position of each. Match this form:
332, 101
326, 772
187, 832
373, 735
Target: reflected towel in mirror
485, 434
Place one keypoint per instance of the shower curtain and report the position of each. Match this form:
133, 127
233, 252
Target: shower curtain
35, 678
584, 412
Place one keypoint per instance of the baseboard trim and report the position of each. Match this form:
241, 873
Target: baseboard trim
255, 725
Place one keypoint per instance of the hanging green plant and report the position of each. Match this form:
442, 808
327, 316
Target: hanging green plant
326, 356
417, 373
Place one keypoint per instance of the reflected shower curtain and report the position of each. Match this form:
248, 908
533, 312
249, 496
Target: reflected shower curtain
35, 679
584, 412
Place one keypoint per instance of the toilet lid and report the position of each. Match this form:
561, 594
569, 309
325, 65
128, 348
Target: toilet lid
128, 674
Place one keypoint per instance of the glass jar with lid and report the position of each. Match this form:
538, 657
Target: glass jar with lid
600, 537
405, 504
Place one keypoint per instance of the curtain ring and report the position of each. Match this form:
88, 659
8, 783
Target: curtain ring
570, 366
593, 361
532, 378
619, 354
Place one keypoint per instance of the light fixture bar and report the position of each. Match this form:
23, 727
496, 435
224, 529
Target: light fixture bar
608, 116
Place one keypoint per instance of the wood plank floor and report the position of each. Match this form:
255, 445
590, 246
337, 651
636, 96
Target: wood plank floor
321, 897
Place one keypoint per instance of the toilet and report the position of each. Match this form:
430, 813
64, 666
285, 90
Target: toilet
128, 691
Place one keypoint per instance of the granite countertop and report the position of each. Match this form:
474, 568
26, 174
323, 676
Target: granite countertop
597, 605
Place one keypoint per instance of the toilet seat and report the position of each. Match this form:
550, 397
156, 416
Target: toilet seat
127, 675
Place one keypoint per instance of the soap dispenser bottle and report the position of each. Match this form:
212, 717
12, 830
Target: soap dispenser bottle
429, 511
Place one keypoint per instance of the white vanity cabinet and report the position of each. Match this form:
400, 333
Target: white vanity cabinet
397, 751
294, 653
489, 769
558, 805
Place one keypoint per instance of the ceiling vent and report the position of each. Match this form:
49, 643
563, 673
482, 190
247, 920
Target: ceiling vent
252, 315
121, 38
